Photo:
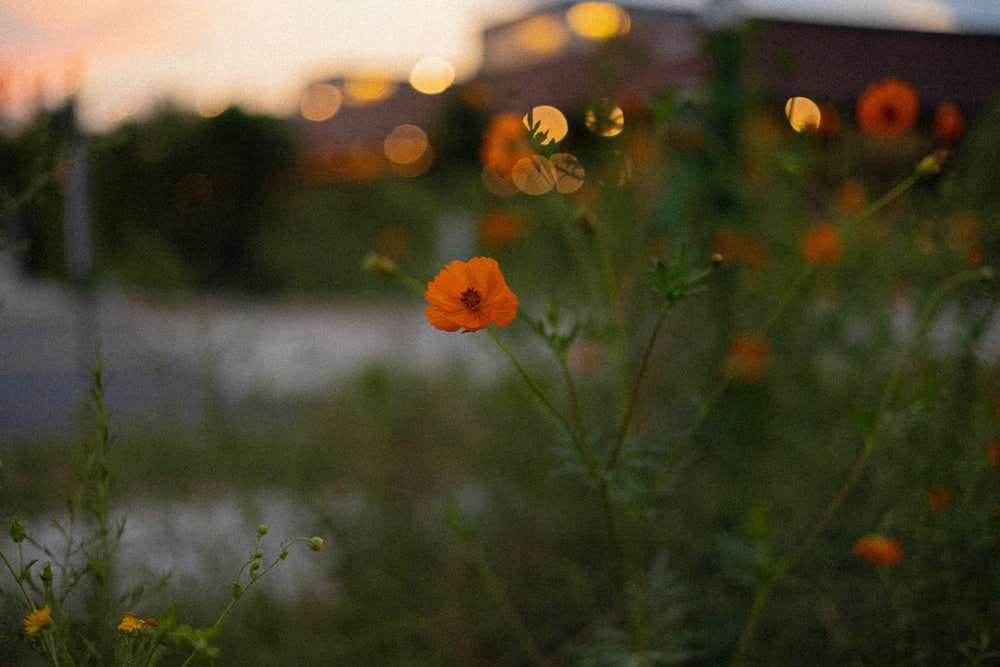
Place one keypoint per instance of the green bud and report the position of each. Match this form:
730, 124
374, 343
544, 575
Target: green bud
316, 543
17, 530
262, 529
259, 553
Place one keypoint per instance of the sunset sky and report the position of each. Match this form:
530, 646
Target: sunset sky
123, 55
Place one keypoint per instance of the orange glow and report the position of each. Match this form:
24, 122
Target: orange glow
405, 144
888, 108
879, 550
432, 75
547, 124
605, 119
803, 114
368, 90
505, 141
948, 123
598, 20
939, 500
499, 228
320, 101
822, 245
749, 357
542, 34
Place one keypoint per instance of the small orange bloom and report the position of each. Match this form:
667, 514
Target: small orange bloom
851, 197
470, 295
499, 228
888, 108
822, 245
37, 619
948, 123
749, 357
505, 142
879, 550
939, 499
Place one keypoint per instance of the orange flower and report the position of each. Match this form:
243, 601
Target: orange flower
851, 197
749, 357
505, 141
470, 295
887, 108
879, 550
948, 123
822, 245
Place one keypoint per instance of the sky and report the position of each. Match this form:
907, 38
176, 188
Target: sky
121, 57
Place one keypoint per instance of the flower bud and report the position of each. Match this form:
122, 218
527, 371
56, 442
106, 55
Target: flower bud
262, 529
379, 265
316, 543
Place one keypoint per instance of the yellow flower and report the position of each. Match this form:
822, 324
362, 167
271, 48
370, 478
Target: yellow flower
37, 619
470, 295
130, 624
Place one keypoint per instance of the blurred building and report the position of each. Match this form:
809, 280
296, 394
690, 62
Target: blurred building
567, 54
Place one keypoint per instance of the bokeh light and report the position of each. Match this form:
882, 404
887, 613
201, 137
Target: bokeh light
605, 119
803, 114
598, 20
368, 89
432, 75
542, 34
548, 123
534, 175
320, 101
570, 173
405, 144
497, 184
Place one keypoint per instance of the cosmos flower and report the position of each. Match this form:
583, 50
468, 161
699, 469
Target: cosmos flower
470, 295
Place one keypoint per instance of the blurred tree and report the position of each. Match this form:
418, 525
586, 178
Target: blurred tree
180, 199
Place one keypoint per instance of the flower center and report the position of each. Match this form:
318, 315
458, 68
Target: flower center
471, 299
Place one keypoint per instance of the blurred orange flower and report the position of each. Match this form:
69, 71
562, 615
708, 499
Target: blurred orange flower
470, 295
993, 454
505, 141
499, 228
851, 197
749, 357
887, 108
735, 246
939, 499
879, 550
948, 123
822, 245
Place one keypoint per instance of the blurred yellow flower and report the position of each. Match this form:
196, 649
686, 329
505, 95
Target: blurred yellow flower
130, 624
37, 619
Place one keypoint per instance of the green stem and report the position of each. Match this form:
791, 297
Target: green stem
634, 394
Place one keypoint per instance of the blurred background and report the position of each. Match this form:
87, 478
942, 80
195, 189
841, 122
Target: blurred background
195, 186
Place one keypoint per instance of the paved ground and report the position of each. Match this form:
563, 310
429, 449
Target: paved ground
164, 356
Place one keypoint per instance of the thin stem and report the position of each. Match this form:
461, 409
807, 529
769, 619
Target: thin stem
535, 389
496, 590
634, 394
